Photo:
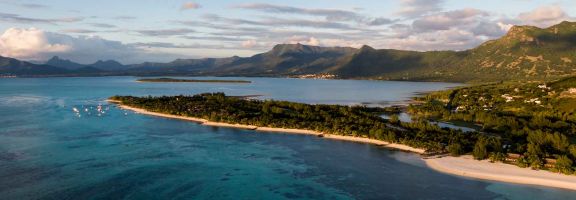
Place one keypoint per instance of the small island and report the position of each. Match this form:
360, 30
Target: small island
172, 80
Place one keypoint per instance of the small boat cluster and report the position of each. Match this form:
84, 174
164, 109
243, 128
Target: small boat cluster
99, 110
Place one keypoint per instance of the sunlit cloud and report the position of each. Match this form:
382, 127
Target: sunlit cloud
190, 6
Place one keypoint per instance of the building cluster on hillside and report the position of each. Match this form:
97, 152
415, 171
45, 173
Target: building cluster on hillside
543, 86
508, 98
317, 76
533, 100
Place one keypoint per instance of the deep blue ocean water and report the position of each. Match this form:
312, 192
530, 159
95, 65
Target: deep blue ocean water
48, 151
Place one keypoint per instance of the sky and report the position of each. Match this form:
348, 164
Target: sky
134, 31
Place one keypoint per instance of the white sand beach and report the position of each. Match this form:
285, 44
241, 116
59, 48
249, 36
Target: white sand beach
142, 111
467, 166
376, 142
221, 124
289, 130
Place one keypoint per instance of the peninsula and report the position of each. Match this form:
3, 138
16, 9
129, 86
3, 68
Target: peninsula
357, 124
172, 80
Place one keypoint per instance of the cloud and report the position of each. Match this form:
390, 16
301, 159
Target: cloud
103, 25
328, 14
28, 44
24, 5
217, 38
166, 32
545, 16
278, 22
34, 6
78, 31
416, 8
14, 18
333, 14
453, 39
124, 17
190, 6
380, 21
448, 30
183, 46
303, 40
249, 43
447, 20
36, 44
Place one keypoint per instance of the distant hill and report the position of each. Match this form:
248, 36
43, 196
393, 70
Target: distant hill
288, 59
99, 66
63, 63
109, 65
10, 66
524, 53
186, 66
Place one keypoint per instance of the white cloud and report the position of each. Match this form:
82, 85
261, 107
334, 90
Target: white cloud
36, 44
447, 20
504, 26
416, 8
303, 40
341, 43
249, 43
545, 16
331, 15
166, 32
15, 18
190, 6
28, 44
452, 39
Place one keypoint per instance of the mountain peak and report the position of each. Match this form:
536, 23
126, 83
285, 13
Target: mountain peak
366, 48
63, 63
281, 49
107, 62
518, 29
565, 24
563, 27
108, 65
57, 59
290, 46
521, 34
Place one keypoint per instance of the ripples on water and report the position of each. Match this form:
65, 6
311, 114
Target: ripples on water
50, 151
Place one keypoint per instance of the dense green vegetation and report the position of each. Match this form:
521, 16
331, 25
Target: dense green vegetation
356, 121
536, 120
172, 80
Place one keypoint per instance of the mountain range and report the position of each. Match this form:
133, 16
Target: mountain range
525, 52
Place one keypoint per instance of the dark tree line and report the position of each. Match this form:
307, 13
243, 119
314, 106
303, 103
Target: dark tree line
358, 121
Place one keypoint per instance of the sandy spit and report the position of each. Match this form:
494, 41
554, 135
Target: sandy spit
272, 129
484, 169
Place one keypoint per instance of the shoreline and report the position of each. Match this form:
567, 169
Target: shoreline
464, 166
273, 129
485, 170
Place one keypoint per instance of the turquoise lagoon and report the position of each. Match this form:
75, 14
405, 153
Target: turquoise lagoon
49, 151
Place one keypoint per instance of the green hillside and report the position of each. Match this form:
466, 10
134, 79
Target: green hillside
524, 53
